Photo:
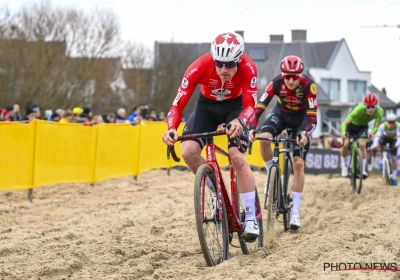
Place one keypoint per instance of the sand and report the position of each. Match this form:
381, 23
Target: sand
145, 229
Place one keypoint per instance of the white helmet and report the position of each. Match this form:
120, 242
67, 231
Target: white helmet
227, 47
391, 117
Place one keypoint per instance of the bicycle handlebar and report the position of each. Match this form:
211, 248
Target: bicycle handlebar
171, 149
276, 140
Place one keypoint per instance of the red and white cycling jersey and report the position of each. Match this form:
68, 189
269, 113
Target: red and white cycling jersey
203, 72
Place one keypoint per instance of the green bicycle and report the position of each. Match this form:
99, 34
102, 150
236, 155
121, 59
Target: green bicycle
356, 164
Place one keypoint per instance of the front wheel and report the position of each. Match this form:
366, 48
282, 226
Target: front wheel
357, 171
271, 198
211, 220
286, 195
386, 172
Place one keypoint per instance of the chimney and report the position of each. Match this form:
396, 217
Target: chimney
241, 33
299, 35
276, 38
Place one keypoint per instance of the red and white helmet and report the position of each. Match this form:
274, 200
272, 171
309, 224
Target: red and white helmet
292, 64
227, 47
370, 99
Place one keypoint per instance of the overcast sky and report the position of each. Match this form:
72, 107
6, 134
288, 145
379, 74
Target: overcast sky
359, 22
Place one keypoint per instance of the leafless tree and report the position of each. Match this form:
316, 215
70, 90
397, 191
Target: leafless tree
59, 57
170, 64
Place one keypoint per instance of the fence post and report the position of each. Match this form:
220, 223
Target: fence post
30, 191
95, 154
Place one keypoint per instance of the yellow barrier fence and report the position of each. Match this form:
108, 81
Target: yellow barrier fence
43, 153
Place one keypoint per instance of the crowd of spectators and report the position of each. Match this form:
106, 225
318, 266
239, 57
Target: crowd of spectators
83, 115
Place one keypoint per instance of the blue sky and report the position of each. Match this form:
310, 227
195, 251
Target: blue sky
374, 49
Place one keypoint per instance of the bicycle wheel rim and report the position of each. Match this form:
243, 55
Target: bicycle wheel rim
386, 172
271, 198
360, 171
286, 195
213, 233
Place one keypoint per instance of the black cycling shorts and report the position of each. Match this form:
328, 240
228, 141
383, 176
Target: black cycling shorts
209, 114
384, 139
277, 121
360, 130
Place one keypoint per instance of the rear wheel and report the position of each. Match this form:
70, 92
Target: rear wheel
213, 231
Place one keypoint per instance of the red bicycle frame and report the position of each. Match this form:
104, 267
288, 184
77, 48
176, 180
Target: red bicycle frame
231, 210
211, 149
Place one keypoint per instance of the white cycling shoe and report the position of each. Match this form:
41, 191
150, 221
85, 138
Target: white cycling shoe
251, 231
295, 222
345, 171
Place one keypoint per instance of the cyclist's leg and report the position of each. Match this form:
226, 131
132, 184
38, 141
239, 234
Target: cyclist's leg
271, 127
344, 150
362, 144
245, 177
298, 171
393, 152
203, 119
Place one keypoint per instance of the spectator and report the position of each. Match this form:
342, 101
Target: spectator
76, 113
48, 114
87, 112
7, 114
17, 114
121, 115
98, 119
152, 116
67, 118
321, 142
33, 108
60, 112
335, 143
111, 118
161, 116
55, 117
135, 114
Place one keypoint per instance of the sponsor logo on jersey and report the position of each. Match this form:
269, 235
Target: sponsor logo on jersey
178, 96
263, 96
255, 98
185, 83
313, 89
251, 68
191, 72
253, 82
291, 100
311, 102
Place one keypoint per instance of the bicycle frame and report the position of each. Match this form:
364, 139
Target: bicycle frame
211, 159
275, 163
354, 147
211, 149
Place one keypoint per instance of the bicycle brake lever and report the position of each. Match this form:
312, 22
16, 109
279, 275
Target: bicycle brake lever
169, 148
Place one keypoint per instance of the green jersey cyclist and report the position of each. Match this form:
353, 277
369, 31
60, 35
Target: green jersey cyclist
357, 123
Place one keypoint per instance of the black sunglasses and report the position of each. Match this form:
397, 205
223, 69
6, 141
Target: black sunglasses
228, 65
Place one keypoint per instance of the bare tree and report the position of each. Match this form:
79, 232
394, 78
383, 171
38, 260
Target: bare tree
171, 63
53, 55
136, 59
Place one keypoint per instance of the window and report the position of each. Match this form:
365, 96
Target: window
332, 88
257, 53
356, 90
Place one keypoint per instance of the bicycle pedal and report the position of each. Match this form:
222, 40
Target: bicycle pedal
230, 237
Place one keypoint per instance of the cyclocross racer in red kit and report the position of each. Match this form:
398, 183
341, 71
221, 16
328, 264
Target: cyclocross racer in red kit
228, 80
